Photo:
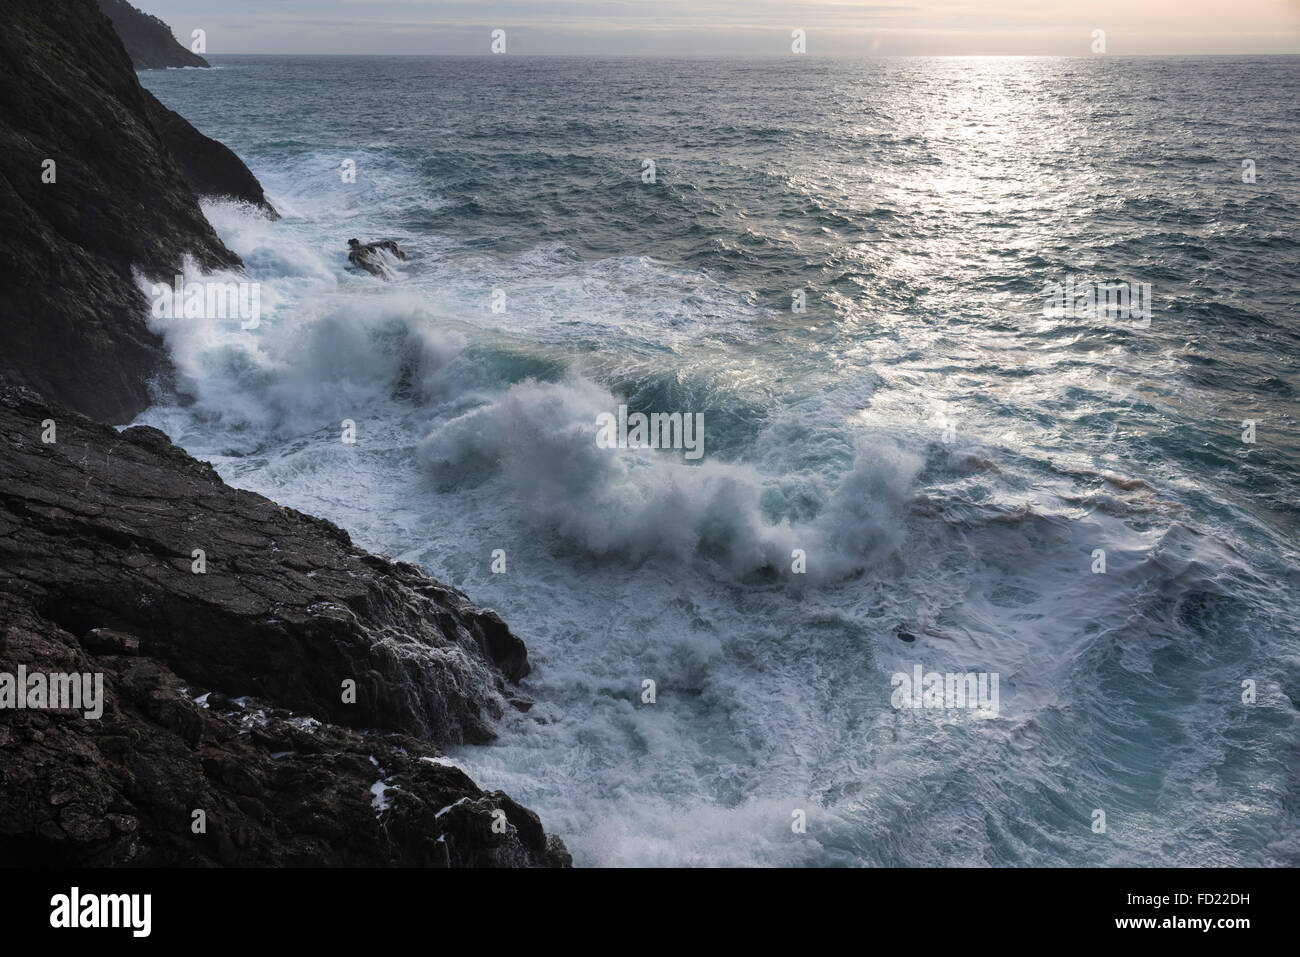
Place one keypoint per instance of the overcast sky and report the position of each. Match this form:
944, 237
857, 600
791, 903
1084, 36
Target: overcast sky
736, 27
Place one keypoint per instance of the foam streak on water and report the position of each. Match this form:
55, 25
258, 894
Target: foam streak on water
948, 459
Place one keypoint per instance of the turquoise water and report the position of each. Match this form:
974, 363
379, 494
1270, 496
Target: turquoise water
947, 458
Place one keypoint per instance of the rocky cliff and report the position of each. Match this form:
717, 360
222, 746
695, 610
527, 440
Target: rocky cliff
210, 168
90, 190
257, 667
148, 41
272, 694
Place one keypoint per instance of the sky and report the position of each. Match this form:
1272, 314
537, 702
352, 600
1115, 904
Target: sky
737, 27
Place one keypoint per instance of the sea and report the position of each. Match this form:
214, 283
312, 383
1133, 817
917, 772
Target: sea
996, 366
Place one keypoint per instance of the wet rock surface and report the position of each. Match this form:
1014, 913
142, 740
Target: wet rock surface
371, 256
98, 573
273, 788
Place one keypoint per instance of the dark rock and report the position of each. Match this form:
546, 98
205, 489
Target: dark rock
99, 530
211, 168
223, 689
72, 316
105, 641
275, 788
370, 256
148, 40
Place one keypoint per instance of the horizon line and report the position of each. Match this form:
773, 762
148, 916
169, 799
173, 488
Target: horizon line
765, 56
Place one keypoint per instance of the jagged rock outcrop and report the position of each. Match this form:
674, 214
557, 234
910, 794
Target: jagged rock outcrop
99, 529
274, 788
211, 168
98, 532
148, 40
371, 256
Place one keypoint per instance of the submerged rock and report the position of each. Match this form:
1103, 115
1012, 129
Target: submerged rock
324, 676
370, 256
